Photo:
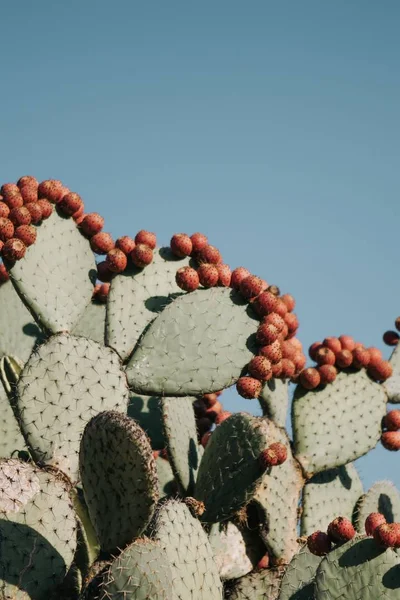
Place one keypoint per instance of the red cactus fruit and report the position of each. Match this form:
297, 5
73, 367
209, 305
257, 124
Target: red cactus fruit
199, 408
141, 255
380, 371
344, 359
27, 234
224, 275
387, 535
208, 275
35, 211
288, 368
209, 254
313, 349
361, 358
70, 204
263, 563
51, 189
260, 368
4, 276
79, 213
297, 344
29, 194
27, 180
199, 241
248, 387
274, 290
46, 208
373, 521
237, 277
397, 323
324, 356
289, 301
319, 543
116, 260
375, 356
292, 322
299, 360
6, 229
310, 378
146, 237
272, 351
126, 244
225, 414
92, 224
265, 303
288, 350
181, 245
11, 195
209, 399
274, 319
274, 455
214, 410
267, 334
205, 438
327, 373
20, 216
251, 286
187, 279
101, 243
391, 421
4, 210
281, 309
103, 272
333, 343
276, 369
341, 530
389, 439
13, 249
391, 338
347, 342
101, 292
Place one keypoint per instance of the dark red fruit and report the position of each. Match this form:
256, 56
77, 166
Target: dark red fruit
13, 249
116, 260
313, 349
248, 387
20, 216
103, 272
187, 279
102, 243
181, 245
260, 368
224, 275
373, 521
126, 244
267, 334
324, 356
380, 371
251, 286
391, 338
147, 238
310, 378
344, 359
389, 439
387, 535
142, 255
391, 421
327, 373
341, 530
4, 210
208, 275
35, 211
275, 454
288, 368
6, 229
347, 342
51, 189
237, 277
319, 543
199, 241
46, 208
4, 276
361, 358
27, 234
70, 204
265, 303
92, 224
272, 351
209, 254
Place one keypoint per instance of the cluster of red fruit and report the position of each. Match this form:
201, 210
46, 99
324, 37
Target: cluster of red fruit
390, 438
391, 338
341, 530
208, 411
334, 354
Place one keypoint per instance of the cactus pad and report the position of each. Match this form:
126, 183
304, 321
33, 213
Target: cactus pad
259, 585
37, 531
331, 425
358, 570
392, 385
91, 325
181, 436
11, 438
140, 572
277, 499
328, 495
383, 498
298, 580
66, 381
119, 478
230, 471
56, 276
199, 343
146, 410
149, 291
166, 482
274, 400
187, 549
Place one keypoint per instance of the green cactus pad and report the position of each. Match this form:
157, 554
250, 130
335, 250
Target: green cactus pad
37, 531
140, 572
200, 343
337, 423
137, 296
66, 381
181, 436
328, 495
298, 580
56, 276
383, 498
358, 570
187, 549
230, 471
277, 499
236, 550
11, 438
259, 585
146, 410
166, 481
119, 478
91, 325
392, 385
18, 331
274, 401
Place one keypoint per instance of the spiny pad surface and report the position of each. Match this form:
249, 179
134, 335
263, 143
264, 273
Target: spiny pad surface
137, 296
55, 278
11, 438
200, 343
67, 381
146, 410
274, 400
91, 325
382, 497
298, 580
119, 478
392, 385
260, 585
338, 423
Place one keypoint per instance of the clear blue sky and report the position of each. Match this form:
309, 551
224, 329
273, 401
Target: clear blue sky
273, 127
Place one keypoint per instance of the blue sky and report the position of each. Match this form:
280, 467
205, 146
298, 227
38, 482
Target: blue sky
271, 127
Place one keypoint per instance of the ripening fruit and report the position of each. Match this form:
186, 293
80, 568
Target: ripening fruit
274, 455
251, 286
327, 373
319, 543
187, 279
199, 241
101, 243
209, 254
92, 223
333, 344
126, 244
310, 378
13, 249
147, 238
260, 368
324, 356
141, 255
237, 277
373, 521
341, 530
248, 387
208, 275
181, 245
116, 260
391, 421
389, 439
391, 338
344, 359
